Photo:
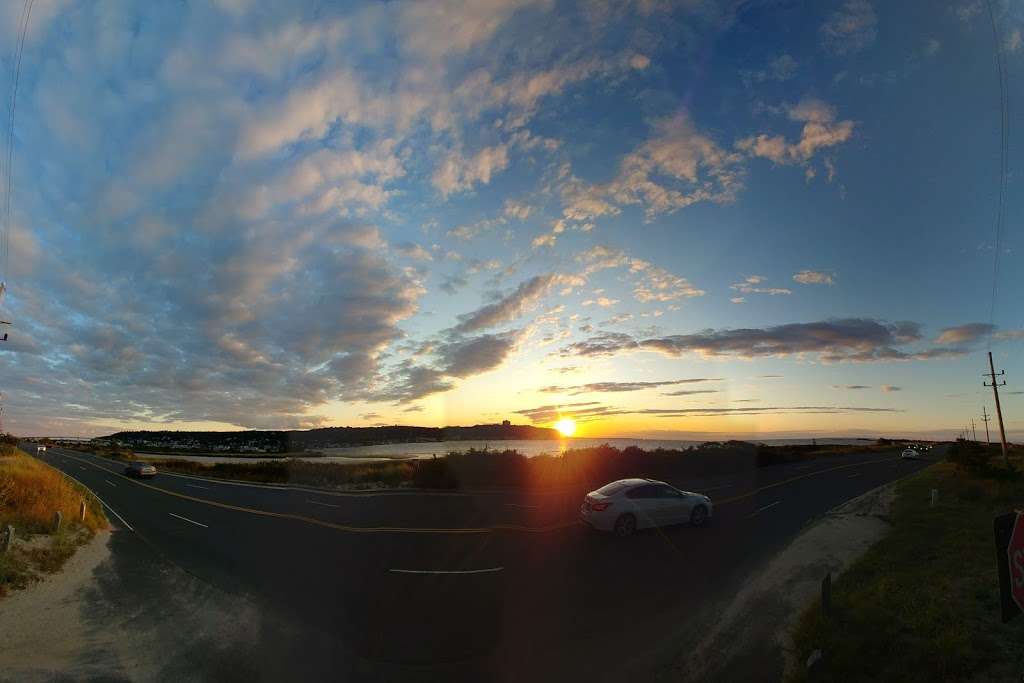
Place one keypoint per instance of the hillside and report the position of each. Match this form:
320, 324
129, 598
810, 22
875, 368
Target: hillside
327, 437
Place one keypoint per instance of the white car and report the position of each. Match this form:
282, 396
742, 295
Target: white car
910, 454
624, 506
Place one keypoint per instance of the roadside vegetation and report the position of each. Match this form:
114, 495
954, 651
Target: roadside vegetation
31, 493
510, 469
923, 603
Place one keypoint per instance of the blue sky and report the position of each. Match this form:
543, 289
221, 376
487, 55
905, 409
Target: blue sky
243, 214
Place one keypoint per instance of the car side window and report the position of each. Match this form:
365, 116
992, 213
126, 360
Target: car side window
667, 492
645, 491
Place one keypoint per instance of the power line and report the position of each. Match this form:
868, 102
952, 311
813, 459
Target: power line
1004, 147
23, 22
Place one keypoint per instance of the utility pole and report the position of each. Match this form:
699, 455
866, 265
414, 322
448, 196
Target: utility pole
985, 418
999, 411
973, 430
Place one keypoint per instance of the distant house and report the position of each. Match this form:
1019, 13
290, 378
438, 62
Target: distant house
506, 423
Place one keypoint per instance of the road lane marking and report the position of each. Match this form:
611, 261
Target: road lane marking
111, 483
743, 496
855, 474
326, 505
490, 570
102, 502
528, 507
190, 521
197, 486
716, 488
460, 530
762, 509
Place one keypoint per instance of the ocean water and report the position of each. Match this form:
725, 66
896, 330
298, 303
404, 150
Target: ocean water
529, 448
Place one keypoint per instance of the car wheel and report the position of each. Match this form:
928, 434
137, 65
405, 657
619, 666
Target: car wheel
699, 516
625, 525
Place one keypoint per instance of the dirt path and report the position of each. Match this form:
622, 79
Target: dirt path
117, 612
750, 639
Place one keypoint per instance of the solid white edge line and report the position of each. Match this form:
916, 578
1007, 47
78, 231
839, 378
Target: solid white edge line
447, 571
102, 502
191, 521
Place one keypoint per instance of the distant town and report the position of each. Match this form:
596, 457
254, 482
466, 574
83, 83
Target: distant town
294, 441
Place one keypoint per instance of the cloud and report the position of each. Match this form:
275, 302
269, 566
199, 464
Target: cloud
593, 410
749, 286
738, 300
476, 355
603, 387
413, 251
815, 277
964, 334
457, 173
835, 340
518, 302
689, 392
850, 386
602, 301
782, 68
820, 131
849, 29
1013, 41
889, 388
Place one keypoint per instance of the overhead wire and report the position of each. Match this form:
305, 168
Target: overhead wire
23, 23
1004, 156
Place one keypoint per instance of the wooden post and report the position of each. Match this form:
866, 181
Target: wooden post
81, 511
58, 517
9, 538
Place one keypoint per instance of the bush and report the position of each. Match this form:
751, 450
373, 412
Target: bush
434, 474
976, 459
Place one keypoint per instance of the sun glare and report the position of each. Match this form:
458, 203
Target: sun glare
567, 426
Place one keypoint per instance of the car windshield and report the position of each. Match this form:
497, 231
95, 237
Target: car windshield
376, 340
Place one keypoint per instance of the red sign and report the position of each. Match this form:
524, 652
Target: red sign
1015, 559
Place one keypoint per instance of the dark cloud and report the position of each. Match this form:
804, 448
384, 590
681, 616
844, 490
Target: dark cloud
509, 307
689, 392
850, 386
476, 355
608, 387
849, 339
593, 410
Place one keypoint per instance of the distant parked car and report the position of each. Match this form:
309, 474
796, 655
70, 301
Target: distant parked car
140, 470
627, 505
40, 449
910, 454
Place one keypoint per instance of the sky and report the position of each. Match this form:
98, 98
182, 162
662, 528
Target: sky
661, 219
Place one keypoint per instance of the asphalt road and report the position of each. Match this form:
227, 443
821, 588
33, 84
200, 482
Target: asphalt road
470, 586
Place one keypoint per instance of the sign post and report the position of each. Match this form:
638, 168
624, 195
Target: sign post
1009, 533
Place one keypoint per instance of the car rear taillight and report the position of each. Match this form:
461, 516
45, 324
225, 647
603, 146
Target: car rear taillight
600, 507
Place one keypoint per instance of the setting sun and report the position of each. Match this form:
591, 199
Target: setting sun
566, 425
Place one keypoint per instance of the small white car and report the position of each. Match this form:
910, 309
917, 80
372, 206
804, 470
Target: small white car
627, 505
910, 454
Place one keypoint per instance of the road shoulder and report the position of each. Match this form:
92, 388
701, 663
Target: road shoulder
751, 636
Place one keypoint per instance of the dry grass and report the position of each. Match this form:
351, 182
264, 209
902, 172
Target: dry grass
923, 603
31, 493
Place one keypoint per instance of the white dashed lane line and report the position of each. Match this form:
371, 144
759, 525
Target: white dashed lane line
196, 486
762, 509
190, 521
326, 505
491, 570
111, 483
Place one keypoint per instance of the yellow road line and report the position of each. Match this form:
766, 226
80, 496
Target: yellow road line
457, 530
